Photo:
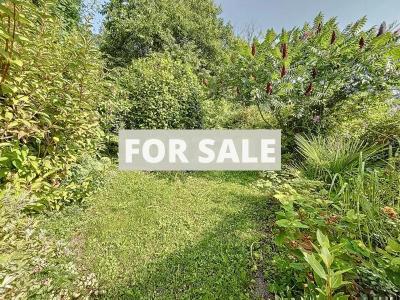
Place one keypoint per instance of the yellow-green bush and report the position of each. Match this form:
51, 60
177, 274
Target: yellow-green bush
51, 87
218, 113
249, 117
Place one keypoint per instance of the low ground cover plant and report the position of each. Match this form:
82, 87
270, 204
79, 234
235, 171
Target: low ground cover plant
355, 210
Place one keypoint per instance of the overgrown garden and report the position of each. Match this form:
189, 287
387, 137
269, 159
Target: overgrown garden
325, 227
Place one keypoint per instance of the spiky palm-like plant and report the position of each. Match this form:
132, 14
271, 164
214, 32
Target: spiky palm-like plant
323, 158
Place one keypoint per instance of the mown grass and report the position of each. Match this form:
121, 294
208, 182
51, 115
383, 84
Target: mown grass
170, 235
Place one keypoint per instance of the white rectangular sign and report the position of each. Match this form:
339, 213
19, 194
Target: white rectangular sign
201, 150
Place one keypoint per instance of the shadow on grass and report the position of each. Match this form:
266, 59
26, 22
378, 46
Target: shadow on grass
217, 267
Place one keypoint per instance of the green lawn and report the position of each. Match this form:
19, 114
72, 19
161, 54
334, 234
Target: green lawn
170, 235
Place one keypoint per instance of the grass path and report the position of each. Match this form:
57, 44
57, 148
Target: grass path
170, 236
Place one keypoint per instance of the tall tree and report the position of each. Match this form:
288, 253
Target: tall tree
136, 28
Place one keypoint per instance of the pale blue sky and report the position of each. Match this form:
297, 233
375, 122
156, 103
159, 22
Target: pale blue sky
278, 14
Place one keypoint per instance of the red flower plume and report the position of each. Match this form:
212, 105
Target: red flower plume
253, 49
283, 71
361, 43
309, 90
268, 88
319, 28
284, 51
333, 37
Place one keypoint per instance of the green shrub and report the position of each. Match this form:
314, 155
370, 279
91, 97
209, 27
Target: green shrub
248, 117
69, 11
374, 196
226, 114
137, 28
51, 88
163, 93
113, 113
358, 211
32, 263
218, 113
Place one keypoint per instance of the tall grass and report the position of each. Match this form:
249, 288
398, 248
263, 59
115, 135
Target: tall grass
374, 197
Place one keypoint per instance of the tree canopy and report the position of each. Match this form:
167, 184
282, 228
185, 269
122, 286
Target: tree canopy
136, 28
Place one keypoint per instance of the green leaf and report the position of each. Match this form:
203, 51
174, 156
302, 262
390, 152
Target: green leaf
315, 265
395, 262
343, 271
337, 281
8, 89
280, 238
298, 224
4, 9
340, 297
8, 116
323, 240
283, 223
326, 256
393, 246
3, 173
17, 62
